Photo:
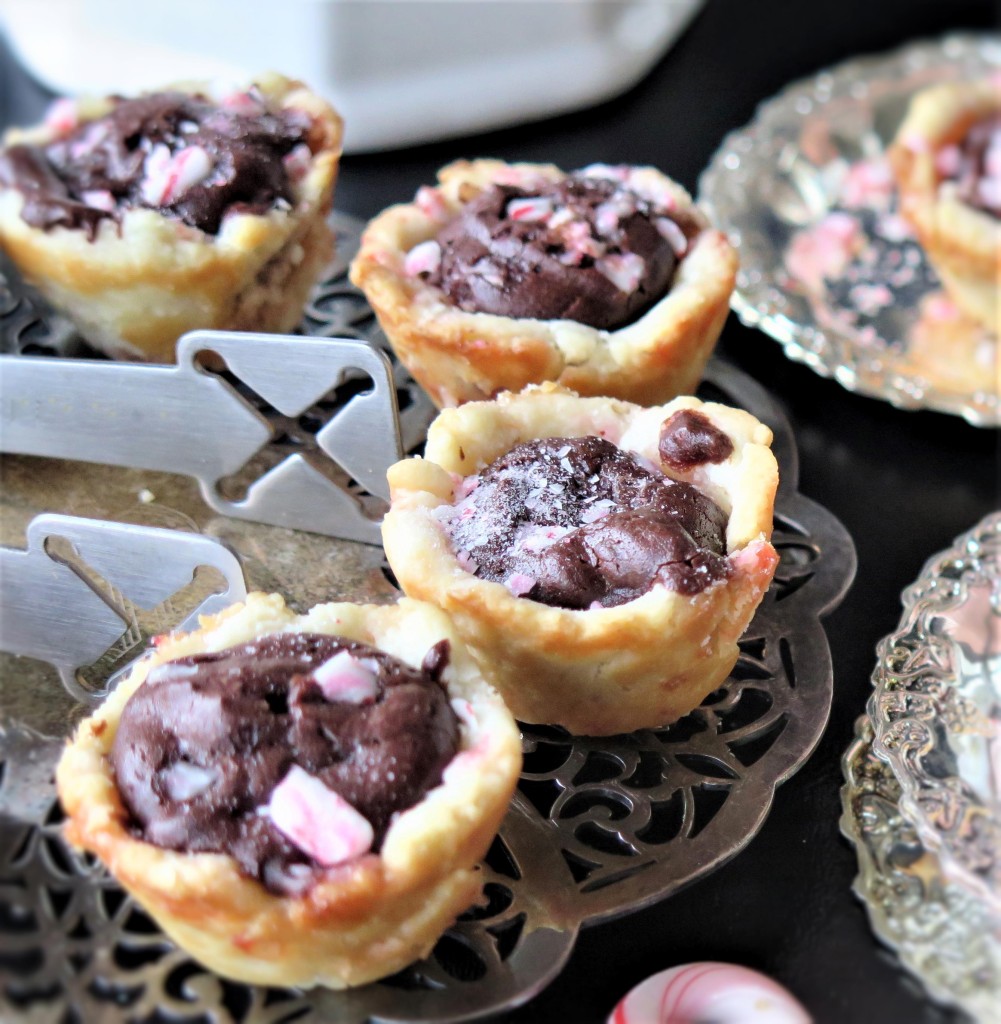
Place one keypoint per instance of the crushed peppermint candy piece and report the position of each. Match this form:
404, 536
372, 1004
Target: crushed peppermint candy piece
247, 103
62, 116
168, 176
598, 510
519, 583
624, 270
430, 202
618, 172
533, 209
298, 161
948, 161
424, 258
317, 820
99, 199
344, 678
184, 781
466, 562
669, 230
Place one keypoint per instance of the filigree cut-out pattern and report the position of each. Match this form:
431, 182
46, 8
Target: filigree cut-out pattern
598, 828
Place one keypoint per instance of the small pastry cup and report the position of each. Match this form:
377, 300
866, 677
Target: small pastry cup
138, 286
460, 357
962, 243
361, 921
597, 672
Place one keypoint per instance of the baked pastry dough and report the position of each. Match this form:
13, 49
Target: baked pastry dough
961, 239
362, 920
460, 356
135, 282
596, 671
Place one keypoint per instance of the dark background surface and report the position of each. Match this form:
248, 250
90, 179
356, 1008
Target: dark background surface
905, 484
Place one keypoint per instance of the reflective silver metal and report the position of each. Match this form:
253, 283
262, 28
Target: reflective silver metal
782, 173
943, 933
599, 827
183, 419
936, 709
69, 615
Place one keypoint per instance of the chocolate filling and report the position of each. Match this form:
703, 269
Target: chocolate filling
202, 744
180, 154
584, 248
578, 522
689, 439
974, 166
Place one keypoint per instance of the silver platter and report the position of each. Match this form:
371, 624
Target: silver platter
599, 828
784, 174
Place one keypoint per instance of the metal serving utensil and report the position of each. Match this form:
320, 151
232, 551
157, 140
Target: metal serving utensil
308, 464
69, 611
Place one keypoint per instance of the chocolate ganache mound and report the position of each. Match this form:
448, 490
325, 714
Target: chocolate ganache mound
578, 522
203, 743
583, 248
181, 154
973, 164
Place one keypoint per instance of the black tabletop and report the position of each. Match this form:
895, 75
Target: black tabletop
905, 484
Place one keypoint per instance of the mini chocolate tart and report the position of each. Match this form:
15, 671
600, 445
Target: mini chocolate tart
142, 218
947, 161
608, 280
298, 799
600, 559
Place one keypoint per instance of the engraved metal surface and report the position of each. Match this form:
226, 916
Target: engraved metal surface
936, 708
943, 933
70, 611
599, 827
784, 174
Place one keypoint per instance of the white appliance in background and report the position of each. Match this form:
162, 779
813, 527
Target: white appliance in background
401, 72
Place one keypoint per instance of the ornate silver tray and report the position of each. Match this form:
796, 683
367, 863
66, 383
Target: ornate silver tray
808, 175
943, 933
599, 827
936, 709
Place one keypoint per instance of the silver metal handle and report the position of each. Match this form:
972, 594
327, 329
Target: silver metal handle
184, 419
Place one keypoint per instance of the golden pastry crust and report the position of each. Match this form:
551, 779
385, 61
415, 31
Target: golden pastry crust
459, 357
596, 672
962, 242
138, 286
361, 921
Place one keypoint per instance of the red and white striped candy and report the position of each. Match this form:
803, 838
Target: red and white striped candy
721, 993
317, 820
62, 116
298, 161
424, 258
531, 208
167, 177
624, 270
344, 678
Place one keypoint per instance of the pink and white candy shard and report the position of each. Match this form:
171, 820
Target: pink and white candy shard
317, 820
702, 992
344, 678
